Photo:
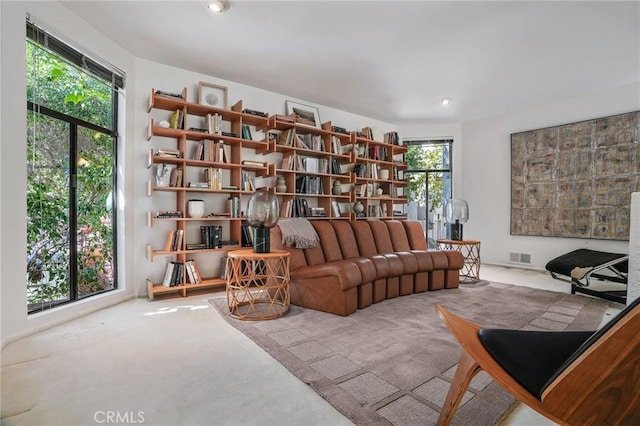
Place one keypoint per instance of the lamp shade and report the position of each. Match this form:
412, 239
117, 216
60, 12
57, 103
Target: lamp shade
456, 210
263, 210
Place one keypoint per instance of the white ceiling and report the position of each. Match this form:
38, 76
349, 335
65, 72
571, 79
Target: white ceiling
390, 60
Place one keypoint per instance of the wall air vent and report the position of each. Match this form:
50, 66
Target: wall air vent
521, 258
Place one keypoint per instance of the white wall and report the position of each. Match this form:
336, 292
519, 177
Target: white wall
13, 177
487, 175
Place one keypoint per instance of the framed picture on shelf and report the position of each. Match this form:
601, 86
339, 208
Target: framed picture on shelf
212, 95
304, 114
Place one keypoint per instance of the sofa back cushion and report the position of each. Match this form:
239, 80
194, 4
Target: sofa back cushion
328, 241
382, 237
364, 237
415, 235
346, 238
398, 235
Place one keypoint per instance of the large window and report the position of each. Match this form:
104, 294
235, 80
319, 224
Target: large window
429, 184
71, 162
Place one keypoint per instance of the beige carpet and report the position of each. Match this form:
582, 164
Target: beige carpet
392, 362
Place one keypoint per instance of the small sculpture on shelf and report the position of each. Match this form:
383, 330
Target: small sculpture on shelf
337, 188
358, 209
281, 184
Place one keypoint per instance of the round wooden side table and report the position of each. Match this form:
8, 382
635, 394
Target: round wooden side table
257, 284
470, 250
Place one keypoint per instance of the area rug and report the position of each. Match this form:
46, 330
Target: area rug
392, 362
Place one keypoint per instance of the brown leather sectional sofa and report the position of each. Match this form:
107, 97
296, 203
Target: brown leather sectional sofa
363, 262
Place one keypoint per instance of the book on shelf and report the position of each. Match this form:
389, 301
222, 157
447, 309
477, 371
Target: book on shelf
223, 268
254, 163
177, 277
193, 272
287, 137
196, 246
317, 212
246, 132
189, 272
246, 181
254, 112
165, 214
169, 94
213, 177
335, 208
247, 236
176, 240
199, 185
176, 177
174, 274
391, 138
167, 152
168, 273
213, 123
169, 242
211, 236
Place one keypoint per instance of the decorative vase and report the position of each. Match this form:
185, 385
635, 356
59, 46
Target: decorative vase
195, 208
337, 188
281, 185
358, 208
380, 191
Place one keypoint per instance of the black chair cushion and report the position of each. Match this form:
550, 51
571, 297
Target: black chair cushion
531, 357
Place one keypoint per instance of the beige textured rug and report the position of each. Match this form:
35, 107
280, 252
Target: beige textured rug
392, 362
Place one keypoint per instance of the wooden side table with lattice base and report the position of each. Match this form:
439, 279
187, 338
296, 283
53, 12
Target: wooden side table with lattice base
470, 250
257, 284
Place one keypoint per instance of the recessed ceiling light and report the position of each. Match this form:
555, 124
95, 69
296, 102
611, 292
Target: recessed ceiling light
217, 6
445, 101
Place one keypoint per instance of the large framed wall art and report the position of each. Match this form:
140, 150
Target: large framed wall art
575, 180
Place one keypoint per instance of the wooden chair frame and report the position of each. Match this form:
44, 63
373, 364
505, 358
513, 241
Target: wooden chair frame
601, 386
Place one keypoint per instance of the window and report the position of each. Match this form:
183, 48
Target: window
71, 162
429, 184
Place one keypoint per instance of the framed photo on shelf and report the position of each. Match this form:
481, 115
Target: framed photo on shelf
304, 114
212, 95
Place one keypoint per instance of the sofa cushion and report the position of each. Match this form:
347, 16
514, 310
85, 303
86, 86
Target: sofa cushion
346, 238
364, 237
415, 235
328, 240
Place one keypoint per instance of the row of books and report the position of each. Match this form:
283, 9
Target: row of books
213, 177
208, 150
374, 134
177, 119
211, 236
296, 207
368, 170
246, 132
174, 240
177, 271
213, 123
309, 185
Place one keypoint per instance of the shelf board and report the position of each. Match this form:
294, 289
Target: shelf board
154, 288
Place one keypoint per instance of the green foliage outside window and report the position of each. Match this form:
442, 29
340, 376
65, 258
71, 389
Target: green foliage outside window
425, 157
57, 85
